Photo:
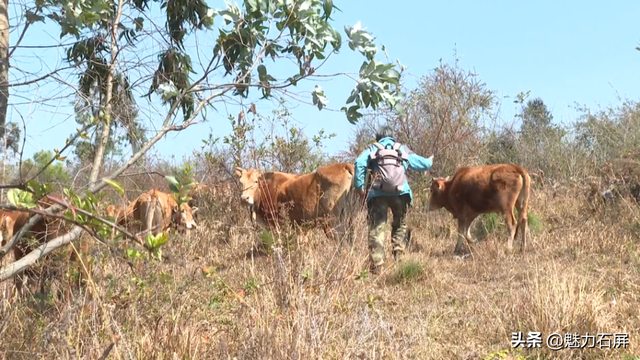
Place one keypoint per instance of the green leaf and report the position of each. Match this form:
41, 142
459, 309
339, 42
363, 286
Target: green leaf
155, 242
172, 180
353, 115
161, 239
114, 184
252, 5
318, 97
132, 254
262, 73
174, 188
392, 74
139, 23
328, 7
399, 108
39, 190
21, 198
33, 17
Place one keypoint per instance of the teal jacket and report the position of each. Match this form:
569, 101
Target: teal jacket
415, 162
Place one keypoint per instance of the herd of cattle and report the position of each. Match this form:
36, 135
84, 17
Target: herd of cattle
324, 197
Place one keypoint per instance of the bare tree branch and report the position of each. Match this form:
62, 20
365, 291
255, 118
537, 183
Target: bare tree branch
38, 79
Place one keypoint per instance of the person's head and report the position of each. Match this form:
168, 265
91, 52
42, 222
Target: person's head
383, 132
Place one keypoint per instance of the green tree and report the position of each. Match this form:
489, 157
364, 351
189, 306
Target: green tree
38, 165
536, 122
104, 33
446, 117
541, 141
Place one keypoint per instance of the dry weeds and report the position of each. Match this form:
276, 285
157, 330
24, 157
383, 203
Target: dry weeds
315, 300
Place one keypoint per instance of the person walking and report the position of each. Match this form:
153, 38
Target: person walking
388, 189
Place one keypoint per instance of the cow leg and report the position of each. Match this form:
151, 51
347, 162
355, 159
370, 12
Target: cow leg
464, 246
331, 233
521, 225
460, 244
158, 219
338, 225
511, 225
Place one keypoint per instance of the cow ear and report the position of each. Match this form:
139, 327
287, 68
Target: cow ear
194, 209
239, 171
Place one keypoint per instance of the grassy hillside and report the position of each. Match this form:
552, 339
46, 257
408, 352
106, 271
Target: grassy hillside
312, 298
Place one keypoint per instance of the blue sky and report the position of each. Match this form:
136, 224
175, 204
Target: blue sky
564, 52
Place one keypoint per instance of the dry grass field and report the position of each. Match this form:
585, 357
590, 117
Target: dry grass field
211, 298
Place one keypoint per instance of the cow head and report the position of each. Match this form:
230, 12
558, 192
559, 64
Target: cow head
114, 210
438, 192
183, 216
248, 184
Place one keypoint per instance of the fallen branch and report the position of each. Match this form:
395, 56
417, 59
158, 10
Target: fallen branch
24, 229
96, 217
55, 216
25, 262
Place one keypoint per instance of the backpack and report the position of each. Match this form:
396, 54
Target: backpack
389, 176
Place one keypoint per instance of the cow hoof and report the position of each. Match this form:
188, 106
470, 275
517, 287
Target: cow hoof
461, 250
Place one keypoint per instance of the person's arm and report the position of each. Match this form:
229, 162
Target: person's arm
417, 162
361, 169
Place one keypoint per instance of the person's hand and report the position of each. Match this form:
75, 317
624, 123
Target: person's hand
427, 172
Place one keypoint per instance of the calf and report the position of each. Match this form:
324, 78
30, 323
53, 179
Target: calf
157, 211
481, 190
44, 230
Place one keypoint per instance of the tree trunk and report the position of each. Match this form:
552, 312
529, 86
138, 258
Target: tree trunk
4, 64
106, 125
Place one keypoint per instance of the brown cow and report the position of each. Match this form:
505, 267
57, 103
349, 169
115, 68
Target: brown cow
166, 212
481, 190
259, 193
44, 230
115, 211
320, 196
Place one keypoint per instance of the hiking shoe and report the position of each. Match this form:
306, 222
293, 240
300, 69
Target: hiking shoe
397, 255
375, 269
